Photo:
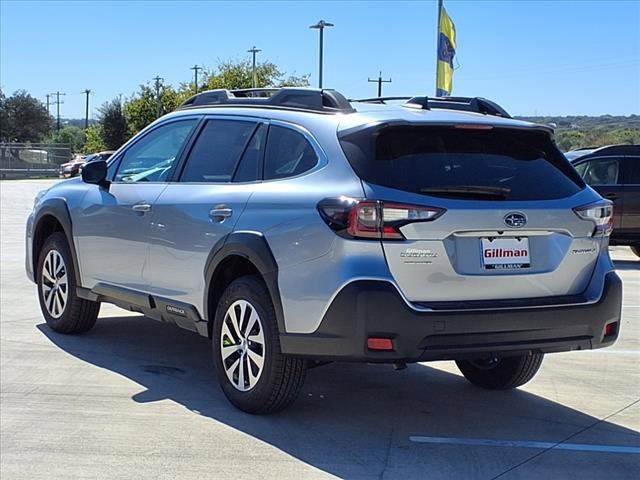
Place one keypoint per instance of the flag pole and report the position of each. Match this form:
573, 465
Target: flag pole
438, 41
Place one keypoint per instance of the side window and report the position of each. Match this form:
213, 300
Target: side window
288, 154
600, 171
152, 157
217, 150
632, 165
250, 168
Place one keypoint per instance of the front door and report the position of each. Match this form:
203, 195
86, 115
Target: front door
112, 225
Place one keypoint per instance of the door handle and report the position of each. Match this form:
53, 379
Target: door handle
141, 207
611, 196
220, 212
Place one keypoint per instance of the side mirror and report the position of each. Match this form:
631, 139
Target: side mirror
96, 173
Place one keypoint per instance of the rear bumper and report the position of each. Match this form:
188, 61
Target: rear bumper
364, 309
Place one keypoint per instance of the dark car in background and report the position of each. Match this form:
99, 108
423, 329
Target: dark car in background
614, 172
74, 167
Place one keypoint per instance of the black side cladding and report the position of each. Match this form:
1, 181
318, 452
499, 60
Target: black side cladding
255, 249
57, 208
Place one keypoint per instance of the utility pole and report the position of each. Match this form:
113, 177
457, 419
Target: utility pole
379, 81
253, 51
48, 103
321, 25
158, 79
195, 69
57, 104
86, 109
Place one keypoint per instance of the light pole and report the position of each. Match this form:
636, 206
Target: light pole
321, 25
195, 69
253, 51
86, 109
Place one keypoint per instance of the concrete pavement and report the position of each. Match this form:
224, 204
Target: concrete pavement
135, 398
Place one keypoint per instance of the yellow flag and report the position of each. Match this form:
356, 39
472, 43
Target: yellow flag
446, 52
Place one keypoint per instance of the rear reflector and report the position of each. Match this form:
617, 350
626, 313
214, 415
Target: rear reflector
374, 343
611, 329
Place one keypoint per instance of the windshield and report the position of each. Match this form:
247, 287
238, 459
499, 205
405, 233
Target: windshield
486, 164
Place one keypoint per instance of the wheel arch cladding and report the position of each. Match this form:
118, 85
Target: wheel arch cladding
53, 216
236, 255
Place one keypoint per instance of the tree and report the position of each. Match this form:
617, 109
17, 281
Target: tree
238, 74
142, 108
113, 124
94, 141
23, 118
71, 135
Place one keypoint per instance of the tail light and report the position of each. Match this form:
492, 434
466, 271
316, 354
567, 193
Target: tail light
375, 219
601, 214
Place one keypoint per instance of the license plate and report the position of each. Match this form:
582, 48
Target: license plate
505, 253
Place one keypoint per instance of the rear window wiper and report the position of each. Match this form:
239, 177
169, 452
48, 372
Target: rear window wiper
468, 191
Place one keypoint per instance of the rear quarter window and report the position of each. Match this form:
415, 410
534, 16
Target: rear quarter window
288, 154
492, 164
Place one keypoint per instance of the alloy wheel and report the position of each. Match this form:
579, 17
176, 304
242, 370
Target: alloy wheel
55, 287
242, 345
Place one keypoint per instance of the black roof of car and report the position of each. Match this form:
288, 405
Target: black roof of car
609, 150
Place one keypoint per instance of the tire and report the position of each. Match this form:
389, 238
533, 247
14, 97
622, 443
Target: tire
501, 373
62, 309
277, 383
636, 249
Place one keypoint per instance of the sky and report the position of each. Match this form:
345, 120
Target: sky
532, 57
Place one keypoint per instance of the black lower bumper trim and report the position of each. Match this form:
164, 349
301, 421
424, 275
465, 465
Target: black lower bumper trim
366, 309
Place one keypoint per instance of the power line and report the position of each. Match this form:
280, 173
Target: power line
379, 81
57, 104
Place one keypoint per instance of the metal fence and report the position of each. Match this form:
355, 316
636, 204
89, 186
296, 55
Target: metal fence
22, 160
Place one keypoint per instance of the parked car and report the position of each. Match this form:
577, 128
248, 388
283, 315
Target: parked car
614, 172
71, 168
74, 167
303, 228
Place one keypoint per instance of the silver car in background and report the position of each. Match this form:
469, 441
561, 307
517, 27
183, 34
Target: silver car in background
294, 227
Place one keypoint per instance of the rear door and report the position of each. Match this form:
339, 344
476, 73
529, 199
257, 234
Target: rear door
509, 230
197, 211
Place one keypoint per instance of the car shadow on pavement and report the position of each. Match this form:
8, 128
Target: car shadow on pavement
351, 420
627, 264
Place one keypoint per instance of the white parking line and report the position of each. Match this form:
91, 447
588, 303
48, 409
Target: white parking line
610, 352
583, 447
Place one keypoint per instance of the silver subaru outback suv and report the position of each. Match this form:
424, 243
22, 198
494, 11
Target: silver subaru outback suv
293, 227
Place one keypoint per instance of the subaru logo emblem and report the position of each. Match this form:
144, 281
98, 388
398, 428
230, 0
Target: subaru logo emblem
515, 220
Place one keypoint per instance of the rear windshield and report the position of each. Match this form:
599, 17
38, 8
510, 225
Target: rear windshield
450, 162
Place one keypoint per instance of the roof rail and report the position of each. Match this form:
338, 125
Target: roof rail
307, 99
378, 99
467, 104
